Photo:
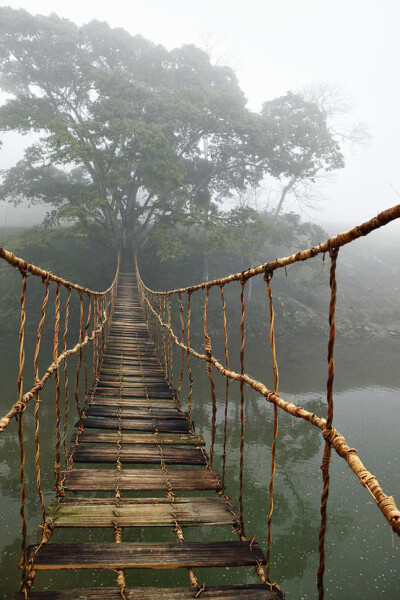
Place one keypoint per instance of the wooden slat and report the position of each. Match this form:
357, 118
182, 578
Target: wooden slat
140, 480
98, 453
135, 393
150, 512
233, 592
151, 555
163, 425
180, 439
134, 402
151, 384
135, 413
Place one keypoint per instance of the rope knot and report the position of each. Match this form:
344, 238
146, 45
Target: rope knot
333, 251
207, 347
268, 273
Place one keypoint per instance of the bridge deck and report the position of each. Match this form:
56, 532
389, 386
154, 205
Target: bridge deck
136, 421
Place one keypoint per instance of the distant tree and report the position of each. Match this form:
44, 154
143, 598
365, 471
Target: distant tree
302, 145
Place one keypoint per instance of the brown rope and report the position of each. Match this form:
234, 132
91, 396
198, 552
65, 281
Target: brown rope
78, 368
337, 241
171, 369
178, 392
226, 385
37, 404
327, 449
268, 277
58, 391
241, 466
22, 265
208, 353
191, 380
21, 336
66, 381
385, 503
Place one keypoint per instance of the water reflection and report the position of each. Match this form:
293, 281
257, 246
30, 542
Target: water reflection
363, 558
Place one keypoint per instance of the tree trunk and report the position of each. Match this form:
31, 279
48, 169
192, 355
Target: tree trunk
284, 193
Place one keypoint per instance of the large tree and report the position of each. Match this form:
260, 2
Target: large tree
131, 135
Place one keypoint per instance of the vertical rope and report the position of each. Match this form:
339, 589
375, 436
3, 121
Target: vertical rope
66, 382
268, 277
78, 368
226, 386
164, 343
208, 353
182, 350
243, 312
327, 450
37, 404
57, 382
20, 384
191, 381
84, 347
171, 369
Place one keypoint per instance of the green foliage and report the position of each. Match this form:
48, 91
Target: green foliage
122, 123
69, 252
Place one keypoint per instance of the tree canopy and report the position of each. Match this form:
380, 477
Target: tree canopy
134, 136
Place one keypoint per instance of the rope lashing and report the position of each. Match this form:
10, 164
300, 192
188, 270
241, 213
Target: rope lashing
268, 277
333, 252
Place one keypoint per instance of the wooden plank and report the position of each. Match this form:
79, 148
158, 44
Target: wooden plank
140, 480
112, 392
151, 555
138, 413
134, 402
152, 379
165, 425
232, 592
154, 385
98, 453
143, 512
135, 393
180, 439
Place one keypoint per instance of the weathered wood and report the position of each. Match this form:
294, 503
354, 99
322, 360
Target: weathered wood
234, 592
153, 512
179, 439
98, 453
138, 413
150, 555
135, 393
140, 480
132, 393
154, 384
133, 402
163, 425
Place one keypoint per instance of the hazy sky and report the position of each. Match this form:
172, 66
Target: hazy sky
281, 45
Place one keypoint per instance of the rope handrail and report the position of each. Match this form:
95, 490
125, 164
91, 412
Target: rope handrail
94, 328
22, 265
160, 328
385, 503
337, 241
20, 405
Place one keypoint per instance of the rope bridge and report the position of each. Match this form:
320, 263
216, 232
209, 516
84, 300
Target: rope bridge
132, 380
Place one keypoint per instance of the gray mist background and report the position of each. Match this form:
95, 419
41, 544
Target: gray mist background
276, 46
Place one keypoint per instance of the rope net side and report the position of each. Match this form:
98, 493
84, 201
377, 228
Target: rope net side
159, 323
95, 311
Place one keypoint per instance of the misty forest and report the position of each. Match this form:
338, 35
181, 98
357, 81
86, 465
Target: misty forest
132, 147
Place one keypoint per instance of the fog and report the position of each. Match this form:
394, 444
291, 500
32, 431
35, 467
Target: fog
275, 47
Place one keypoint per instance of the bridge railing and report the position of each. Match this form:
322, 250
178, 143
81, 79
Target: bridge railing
158, 308
94, 312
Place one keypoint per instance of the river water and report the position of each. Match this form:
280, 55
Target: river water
363, 556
